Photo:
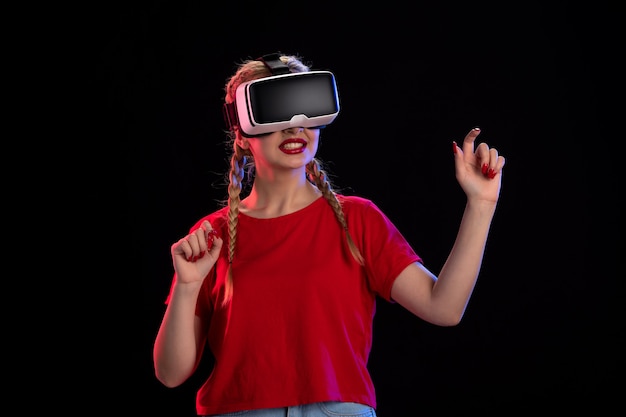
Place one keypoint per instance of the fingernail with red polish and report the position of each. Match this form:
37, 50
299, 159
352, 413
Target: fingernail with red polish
210, 238
484, 169
491, 173
454, 147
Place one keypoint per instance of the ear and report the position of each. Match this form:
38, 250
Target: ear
243, 142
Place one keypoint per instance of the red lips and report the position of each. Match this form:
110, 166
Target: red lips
293, 146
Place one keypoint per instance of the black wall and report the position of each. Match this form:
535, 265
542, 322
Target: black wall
541, 331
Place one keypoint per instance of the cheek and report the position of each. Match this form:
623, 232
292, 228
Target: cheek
314, 139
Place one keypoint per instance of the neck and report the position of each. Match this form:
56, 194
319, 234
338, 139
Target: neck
278, 197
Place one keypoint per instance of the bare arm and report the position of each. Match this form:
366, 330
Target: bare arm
442, 300
181, 337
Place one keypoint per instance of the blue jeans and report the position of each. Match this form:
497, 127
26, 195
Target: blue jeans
325, 409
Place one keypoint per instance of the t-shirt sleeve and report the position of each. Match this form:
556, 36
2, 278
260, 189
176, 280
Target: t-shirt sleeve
385, 249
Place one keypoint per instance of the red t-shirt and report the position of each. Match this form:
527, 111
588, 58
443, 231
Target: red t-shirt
299, 326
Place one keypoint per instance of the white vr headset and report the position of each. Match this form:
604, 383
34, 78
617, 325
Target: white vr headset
299, 99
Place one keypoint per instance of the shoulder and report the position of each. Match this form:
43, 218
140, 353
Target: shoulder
360, 209
364, 211
352, 201
356, 204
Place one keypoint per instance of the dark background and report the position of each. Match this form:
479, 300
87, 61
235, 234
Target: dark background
542, 330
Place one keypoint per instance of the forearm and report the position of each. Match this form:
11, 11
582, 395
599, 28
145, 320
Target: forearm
176, 348
458, 276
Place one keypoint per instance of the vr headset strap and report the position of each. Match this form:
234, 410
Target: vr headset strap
274, 64
276, 67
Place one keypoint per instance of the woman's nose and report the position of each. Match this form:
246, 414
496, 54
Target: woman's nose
294, 129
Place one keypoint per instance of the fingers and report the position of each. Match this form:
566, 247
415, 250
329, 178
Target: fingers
197, 243
191, 247
487, 160
490, 161
483, 156
468, 141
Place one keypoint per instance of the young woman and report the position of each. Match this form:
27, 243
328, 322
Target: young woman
281, 283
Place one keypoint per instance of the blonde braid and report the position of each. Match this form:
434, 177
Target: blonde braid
319, 178
237, 172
